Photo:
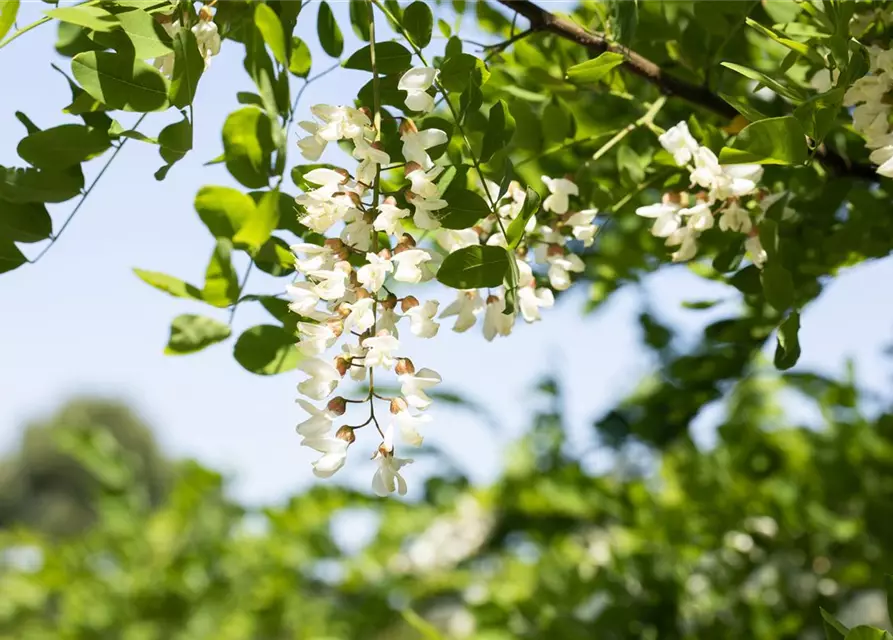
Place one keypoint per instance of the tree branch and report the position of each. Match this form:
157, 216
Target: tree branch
547, 22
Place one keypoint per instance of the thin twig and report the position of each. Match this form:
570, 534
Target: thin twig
85, 196
232, 311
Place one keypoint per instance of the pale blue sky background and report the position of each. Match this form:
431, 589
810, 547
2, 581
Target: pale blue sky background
80, 321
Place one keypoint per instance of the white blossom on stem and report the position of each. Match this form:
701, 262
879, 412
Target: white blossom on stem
531, 299
560, 269
408, 426
387, 478
331, 284
334, 452
340, 122
678, 141
735, 218
314, 338
421, 319
560, 190
408, 262
417, 143
324, 377
372, 275
380, 350
318, 424
423, 208
465, 307
416, 83
361, 316
495, 321
413, 386
666, 217
388, 218
207, 37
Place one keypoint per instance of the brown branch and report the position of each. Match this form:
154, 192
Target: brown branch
546, 22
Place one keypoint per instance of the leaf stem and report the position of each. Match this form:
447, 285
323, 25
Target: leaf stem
86, 195
376, 188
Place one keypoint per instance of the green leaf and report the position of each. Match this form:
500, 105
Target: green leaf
175, 141
270, 27
787, 350
456, 72
558, 121
224, 210
275, 258
465, 208
27, 122
747, 280
596, 69
39, 185
267, 350
359, 18
10, 256
248, 146
188, 68
9, 9
511, 284
24, 222
63, 146
390, 57
444, 28
169, 284
864, 632
191, 333
791, 93
120, 82
89, 16
771, 141
221, 281
500, 129
818, 115
778, 286
768, 231
474, 267
148, 38
515, 231
329, 34
888, 584
743, 107
418, 21
300, 61
256, 230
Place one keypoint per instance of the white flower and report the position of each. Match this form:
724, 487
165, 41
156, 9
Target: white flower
314, 339
739, 180
326, 177
884, 158
387, 478
581, 226
312, 257
380, 351
387, 321
417, 143
466, 307
208, 39
707, 172
495, 321
423, 208
416, 83
304, 298
324, 377
560, 268
666, 217
686, 239
361, 316
331, 284
735, 218
353, 352
165, 63
408, 425
517, 195
340, 122
531, 299
313, 145
824, 79
358, 234
700, 216
373, 274
408, 265
421, 319
679, 142
319, 422
560, 190
755, 250
497, 240
371, 159
455, 239
334, 452
388, 218
422, 182
413, 386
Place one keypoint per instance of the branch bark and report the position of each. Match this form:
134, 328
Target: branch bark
546, 22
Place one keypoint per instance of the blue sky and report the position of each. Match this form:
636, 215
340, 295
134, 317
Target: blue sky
80, 322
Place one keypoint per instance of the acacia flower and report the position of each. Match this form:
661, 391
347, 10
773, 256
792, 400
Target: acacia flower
465, 307
413, 386
560, 268
417, 143
531, 299
361, 316
331, 284
334, 452
387, 478
421, 319
678, 141
388, 218
319, 422
380, 350
666, 217
408, 265
735, 218
324, 377
340, 122
560, 190
372, 275
495, 321
314, 338
206, 36
416, 83
313, 145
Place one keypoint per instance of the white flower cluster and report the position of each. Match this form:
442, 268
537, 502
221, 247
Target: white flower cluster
682, 217
206, 36
871, 116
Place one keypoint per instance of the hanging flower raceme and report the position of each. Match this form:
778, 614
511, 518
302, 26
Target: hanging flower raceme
871, 115
206, 37
680, 218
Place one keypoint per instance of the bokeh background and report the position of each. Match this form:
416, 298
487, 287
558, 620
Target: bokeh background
149, 496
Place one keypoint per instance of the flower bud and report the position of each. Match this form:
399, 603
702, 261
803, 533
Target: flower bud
335, 244
362, 293
343, 310
366, 111
408, 303
352, 280
385, 254
342, 365
354, 197
343, 173
336, 325
390, 302
205, 14
404, 365
408, 126
671, 197
346, 433
555, 250
409, 167
368, 217
397, 405
493, 299
337, 405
